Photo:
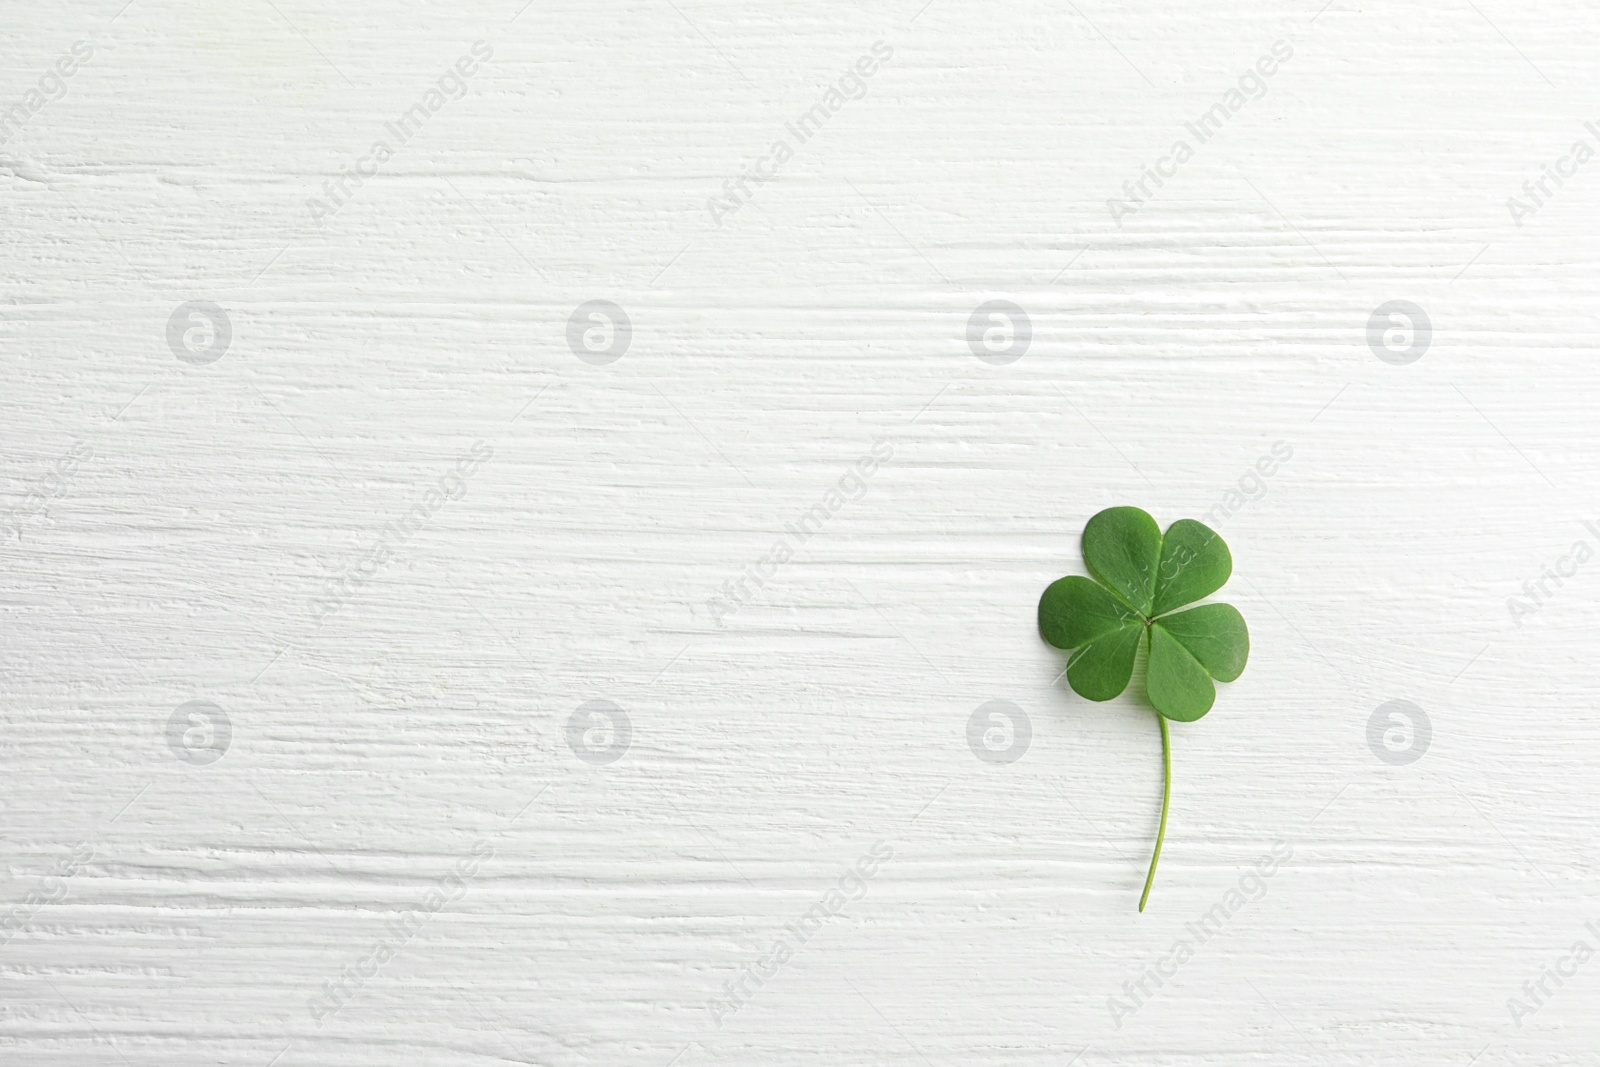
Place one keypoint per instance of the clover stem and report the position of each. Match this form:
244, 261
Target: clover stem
1166, 797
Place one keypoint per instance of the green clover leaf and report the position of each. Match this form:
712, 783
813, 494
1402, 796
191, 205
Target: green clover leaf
1143, 577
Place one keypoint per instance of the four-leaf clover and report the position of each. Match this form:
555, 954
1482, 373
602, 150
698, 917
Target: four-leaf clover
1144, 577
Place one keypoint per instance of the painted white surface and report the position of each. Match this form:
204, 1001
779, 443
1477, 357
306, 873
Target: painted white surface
195, 511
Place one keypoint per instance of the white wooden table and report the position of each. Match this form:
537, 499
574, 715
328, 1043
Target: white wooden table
473, 601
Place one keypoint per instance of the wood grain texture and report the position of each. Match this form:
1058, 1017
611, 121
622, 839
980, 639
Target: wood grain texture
400, 855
